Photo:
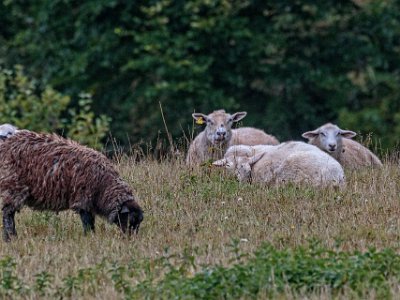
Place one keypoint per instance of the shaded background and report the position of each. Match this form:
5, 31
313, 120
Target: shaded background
292, 65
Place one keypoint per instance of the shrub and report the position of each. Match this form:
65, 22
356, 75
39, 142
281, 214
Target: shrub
26, 104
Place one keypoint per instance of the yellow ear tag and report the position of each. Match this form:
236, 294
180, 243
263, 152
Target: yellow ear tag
200, 121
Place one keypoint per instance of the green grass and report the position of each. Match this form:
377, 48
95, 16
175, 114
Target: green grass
306, 270
206, 235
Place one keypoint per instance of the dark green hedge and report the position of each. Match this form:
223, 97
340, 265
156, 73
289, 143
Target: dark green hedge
292, 65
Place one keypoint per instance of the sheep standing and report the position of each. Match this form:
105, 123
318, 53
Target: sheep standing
337, 142
212, 142
48, 172
294, 162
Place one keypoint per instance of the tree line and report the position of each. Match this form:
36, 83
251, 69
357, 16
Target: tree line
292, 65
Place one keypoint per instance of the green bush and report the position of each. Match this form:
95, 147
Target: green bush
309, 269
270, 272
27, 105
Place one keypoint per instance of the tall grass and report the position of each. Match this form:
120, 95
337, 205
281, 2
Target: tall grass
202, 219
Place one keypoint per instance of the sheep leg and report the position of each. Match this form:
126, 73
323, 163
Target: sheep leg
122, 221
8, 223
87, 221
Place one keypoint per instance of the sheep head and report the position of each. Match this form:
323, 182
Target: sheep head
7, 130
129, 217
328, 138
241, 165
218, 125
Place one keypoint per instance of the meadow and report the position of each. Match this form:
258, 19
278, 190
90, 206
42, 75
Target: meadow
205, 235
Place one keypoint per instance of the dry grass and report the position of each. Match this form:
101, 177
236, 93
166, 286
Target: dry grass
201, 211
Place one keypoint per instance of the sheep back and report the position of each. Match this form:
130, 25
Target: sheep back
251, 136
315, 168
354, 156
48, 172
298, 162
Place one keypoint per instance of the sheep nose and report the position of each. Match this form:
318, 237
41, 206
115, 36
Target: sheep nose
332, 146
221, 133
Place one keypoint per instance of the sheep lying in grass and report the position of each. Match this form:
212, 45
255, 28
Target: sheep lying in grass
337, 142
48, 172
251, 136
6, 130
218, 135
290, 162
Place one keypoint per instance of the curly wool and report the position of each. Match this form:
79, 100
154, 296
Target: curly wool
48, 172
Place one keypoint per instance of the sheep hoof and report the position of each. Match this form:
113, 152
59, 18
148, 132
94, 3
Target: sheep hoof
8, 236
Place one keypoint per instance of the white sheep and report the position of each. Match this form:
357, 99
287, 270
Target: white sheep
251, 136
212, 142
337, 142
290, 162
7, 130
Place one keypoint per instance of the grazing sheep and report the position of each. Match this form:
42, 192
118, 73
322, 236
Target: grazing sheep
218, 135
48, 172
337, 142
7, 130
294, 162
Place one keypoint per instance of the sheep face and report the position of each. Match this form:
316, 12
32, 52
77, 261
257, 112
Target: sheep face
243, 171
240, 160
7, 130
218, 125
240, 165
129, 217
328, 137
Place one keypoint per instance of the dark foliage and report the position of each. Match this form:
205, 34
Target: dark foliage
293, 65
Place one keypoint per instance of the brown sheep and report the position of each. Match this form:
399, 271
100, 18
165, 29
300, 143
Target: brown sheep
48, 172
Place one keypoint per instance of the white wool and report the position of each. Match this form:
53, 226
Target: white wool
218, 135
7, 130
337, 143
290, 162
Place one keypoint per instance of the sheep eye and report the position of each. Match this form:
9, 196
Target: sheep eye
230, 120
322, 133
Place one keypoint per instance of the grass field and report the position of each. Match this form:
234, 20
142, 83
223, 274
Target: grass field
201, 223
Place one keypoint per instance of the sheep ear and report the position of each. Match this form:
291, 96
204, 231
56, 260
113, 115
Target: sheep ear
236, 117
220, 163
310, 134
255, 158
348, 134
124, 210
200, 118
